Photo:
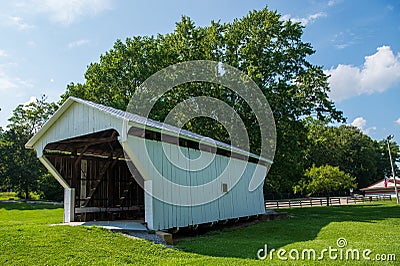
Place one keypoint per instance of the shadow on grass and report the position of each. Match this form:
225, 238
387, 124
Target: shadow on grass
304, 224
27, 206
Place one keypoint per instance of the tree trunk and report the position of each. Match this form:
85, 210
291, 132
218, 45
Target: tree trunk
26, 193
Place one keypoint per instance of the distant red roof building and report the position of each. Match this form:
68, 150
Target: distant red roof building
382, 187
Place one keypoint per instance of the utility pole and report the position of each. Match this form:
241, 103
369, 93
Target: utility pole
391, 164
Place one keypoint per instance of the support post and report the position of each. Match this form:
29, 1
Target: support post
392, 166
148, 203
69, 205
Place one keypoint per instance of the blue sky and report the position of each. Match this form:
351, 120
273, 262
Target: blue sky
46, 44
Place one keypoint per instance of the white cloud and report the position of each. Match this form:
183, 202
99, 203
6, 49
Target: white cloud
78, 43
344, 39
5, 82
398, 121
379, 72
8, 81
3, 53
304, 21
61, 11
359, 123
69, 11
370, 130
333, 2
19, 23
342, 45
32, 99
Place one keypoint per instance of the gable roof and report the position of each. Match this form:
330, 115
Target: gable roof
140, 121
381, 184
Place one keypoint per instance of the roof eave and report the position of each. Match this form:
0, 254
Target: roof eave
32, 141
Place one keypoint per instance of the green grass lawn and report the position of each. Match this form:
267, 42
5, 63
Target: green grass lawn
26, 238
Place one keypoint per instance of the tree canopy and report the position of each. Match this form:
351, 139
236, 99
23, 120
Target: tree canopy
350, 149
324, 180
19, 168
262, 45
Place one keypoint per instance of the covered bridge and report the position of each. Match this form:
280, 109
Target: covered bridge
117, 165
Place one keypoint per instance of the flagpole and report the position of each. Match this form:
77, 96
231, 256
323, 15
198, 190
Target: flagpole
391, 164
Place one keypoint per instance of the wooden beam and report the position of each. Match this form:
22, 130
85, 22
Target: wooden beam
91, 141
113, 209
81, 155
116, 156
53, 171
99, 180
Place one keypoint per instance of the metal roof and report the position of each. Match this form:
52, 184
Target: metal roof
381, 184
148, 123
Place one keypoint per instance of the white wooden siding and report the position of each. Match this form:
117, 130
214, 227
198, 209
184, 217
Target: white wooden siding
78, 120
238, 202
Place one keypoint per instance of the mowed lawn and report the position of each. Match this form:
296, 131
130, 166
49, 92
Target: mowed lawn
27, 239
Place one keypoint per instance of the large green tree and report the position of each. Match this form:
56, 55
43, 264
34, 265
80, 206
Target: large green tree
383, 164
19, 168
271, 51
324, 180
350, 149
3, 166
